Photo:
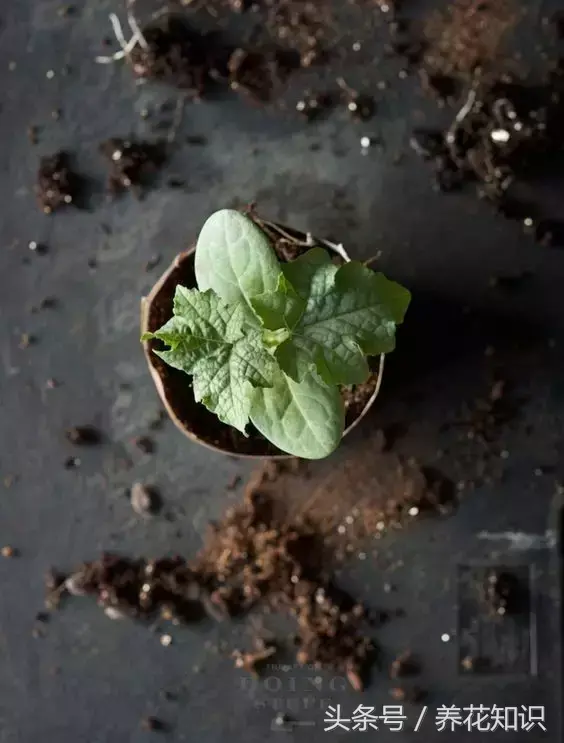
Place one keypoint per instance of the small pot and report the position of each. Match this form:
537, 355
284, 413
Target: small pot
191, 417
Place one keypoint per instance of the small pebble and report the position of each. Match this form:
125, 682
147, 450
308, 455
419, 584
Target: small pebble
72, 463
365, 142
38, 248
50, 74
144, 501
8, 551
445, 637
280, 720
413, 511
500, 136
153, 724
166, 640
74, 584
26, 340
467, 663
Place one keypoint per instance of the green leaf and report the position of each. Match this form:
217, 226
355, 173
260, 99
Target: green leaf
300, 272
212, 341
235, 259
351, 312
305, 419
281, 308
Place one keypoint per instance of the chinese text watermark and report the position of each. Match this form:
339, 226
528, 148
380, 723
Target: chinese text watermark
473, 718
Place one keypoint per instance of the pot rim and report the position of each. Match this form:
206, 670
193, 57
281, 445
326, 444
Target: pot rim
146, 302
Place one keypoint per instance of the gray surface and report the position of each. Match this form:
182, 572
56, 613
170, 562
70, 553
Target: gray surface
92, 680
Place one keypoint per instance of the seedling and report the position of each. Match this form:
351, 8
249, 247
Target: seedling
272, 343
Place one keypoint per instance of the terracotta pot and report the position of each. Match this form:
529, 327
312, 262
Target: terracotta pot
175, 391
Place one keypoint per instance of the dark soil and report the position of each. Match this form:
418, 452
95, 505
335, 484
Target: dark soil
484, 419
132, 163
250, 561
503, 593
57, 185
193, 416
505, 137
466, 37
84, 435
177, 55
258, 74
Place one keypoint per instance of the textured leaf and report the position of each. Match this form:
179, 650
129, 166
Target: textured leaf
305, 419
234, 258
281, 308
301, 271
212, 341
350, 312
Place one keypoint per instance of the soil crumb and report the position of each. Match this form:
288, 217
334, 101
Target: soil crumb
484, 419
84, 435
258, 74
131, 163
177, 55
57, 185
466, 37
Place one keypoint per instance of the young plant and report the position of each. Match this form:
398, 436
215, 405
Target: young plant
273, 342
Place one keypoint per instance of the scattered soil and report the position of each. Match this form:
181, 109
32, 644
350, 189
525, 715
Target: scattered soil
251, 560
178, 55
314, 105
503, 593
504, 137
57, 185
357, 494
131, 162
258, 74
467, 36
404, 665
484, 419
